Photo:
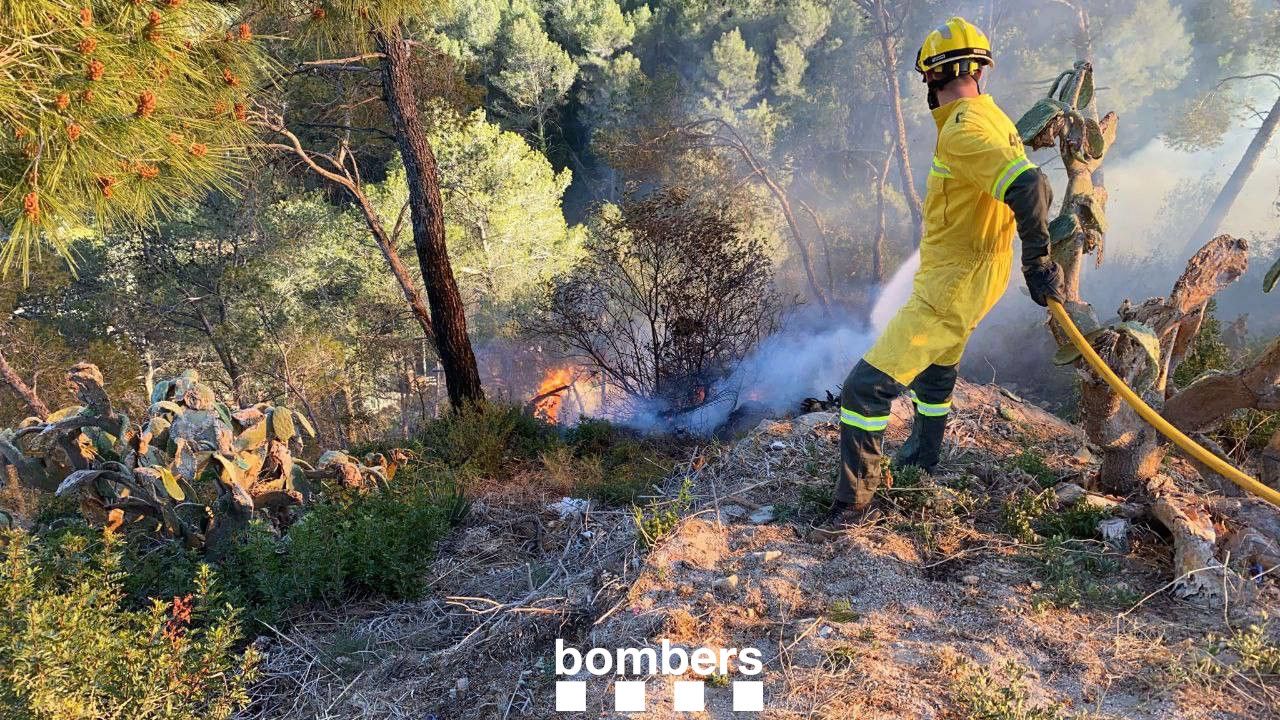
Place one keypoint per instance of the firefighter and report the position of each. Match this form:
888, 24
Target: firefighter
981, 187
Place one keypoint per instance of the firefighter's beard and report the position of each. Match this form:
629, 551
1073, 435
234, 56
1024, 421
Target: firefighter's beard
933, 98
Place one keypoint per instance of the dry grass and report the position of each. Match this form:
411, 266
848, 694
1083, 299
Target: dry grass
922, 614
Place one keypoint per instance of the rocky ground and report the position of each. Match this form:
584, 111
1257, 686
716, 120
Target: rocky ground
954, 604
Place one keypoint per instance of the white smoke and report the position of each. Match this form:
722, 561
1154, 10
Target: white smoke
810, 356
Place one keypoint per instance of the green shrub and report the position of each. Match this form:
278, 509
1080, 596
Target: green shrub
70, 648
1023, 513
631, 468
1032, 462
1073, 572
1031, 516
377, 543
592, 436
982, 696
479, 440
1078, 522
660, 518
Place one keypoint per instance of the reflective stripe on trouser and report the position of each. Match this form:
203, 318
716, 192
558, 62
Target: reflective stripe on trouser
931, 393
865, 400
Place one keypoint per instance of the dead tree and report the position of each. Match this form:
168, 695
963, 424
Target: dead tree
1143, 347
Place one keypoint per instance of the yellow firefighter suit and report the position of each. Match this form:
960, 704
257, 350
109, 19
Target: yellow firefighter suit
965, 259
967, 248
981, 191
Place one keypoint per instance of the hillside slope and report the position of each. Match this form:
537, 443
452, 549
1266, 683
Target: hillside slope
978, 594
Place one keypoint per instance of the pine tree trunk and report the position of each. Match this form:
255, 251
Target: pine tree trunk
1231, 190
22, 389
426, 212
889, 66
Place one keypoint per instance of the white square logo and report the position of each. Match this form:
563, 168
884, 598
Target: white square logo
571, 696
628, 696
748, 696
688, 696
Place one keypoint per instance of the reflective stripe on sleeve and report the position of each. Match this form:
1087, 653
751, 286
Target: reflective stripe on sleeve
940, 169
930, 409
1016, 167
863, 422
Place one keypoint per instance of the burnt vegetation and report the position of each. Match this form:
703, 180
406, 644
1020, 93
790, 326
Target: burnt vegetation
670, 293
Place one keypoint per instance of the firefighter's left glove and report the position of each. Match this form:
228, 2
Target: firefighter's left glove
1045, 282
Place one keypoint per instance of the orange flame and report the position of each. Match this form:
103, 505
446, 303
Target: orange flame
548, 407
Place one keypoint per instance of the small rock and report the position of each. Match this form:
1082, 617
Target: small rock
1083, 456
727, 583
1008, 414
970, 579
767, 556
1068, 493
763, 516
1130, 510
1100, 502
1037, 585
732, 512
825, 631
809, 421
462, 685
777, 445
751, 612
1010, 394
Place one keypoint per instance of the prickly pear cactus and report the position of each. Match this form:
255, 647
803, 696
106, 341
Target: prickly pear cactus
1066, 118
193, 470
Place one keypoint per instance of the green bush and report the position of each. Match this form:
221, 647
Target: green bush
377, 543
659, 518
479, 440
1032, 462
982, 695
71, 648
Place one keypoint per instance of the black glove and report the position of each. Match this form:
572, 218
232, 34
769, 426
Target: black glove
1045, 281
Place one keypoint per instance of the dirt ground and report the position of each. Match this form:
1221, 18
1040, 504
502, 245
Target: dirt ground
934, 610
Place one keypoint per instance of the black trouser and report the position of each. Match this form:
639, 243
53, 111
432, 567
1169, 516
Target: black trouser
865, 401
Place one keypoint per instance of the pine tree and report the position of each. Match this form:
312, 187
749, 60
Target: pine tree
113, 111
357, 31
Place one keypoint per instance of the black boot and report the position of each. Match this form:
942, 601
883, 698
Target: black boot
931, 393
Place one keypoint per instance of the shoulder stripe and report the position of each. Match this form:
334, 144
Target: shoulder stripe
940, 169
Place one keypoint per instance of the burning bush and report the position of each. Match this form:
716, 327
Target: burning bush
669, 295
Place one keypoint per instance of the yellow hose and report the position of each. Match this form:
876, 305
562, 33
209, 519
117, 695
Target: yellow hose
1191, 447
